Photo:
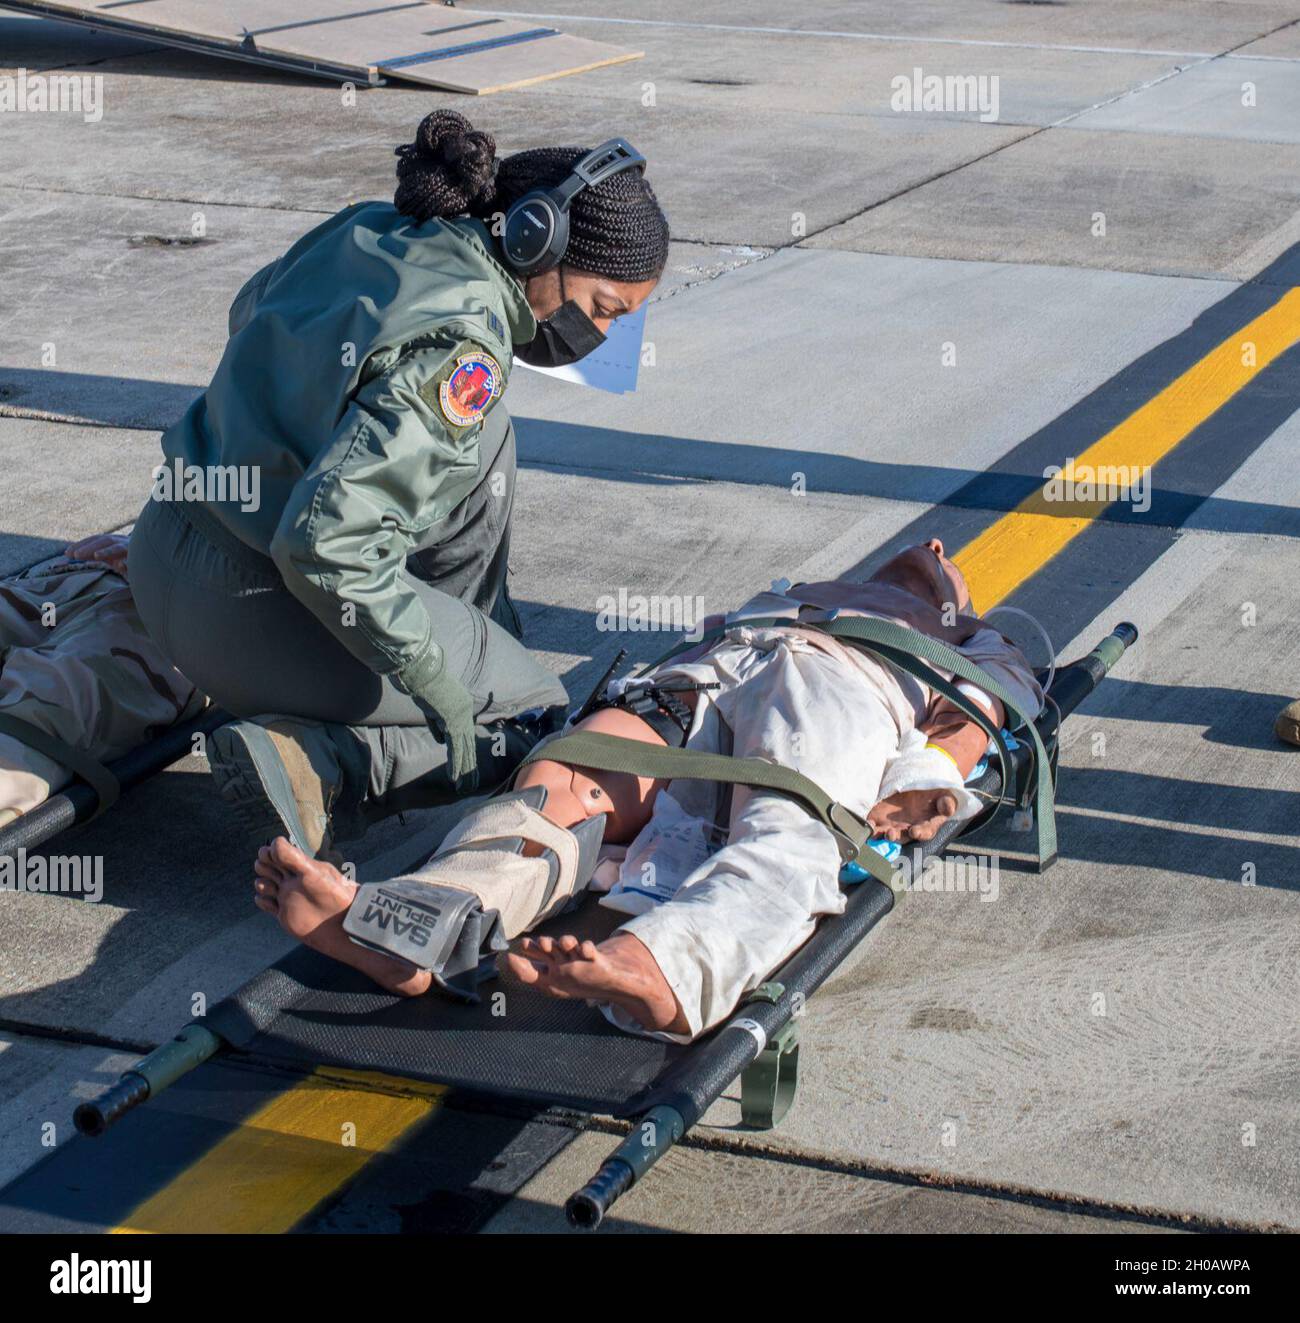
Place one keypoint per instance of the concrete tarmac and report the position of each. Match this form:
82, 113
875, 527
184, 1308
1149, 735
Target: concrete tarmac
1110, 1046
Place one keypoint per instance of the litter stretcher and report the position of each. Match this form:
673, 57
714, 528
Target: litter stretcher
96, 786
306, 1011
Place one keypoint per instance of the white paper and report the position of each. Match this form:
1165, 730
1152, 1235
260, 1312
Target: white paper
668, 849
612, 367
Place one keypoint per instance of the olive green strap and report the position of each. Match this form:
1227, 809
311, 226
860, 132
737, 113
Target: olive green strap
917, 653
612, 753
105, 785
903, 660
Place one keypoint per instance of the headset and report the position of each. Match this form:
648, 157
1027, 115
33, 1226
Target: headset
536, 231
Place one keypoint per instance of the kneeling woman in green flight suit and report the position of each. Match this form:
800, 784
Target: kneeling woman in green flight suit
345, 593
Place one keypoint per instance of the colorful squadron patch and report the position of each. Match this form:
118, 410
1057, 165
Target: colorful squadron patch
468, 391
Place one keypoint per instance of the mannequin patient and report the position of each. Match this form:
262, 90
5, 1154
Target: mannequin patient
739, 876
77, 664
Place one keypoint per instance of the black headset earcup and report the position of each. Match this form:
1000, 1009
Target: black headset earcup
535, 233
559, 243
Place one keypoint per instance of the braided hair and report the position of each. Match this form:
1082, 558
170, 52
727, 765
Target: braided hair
616, 228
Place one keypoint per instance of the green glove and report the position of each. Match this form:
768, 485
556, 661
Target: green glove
450, 711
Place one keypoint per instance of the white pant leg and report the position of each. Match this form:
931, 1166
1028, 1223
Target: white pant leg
754, 901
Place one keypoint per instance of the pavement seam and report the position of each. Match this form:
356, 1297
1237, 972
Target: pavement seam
183, 201
761, 251
1198, 59
72, 420
1010, 1192
920, 183
886, 37
91, 64
1135, 90
72, 1037
1175, 73
758, 255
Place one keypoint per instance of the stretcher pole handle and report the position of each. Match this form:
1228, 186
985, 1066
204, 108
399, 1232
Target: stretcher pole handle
1075, 681
1099, 661
1123, 636
652, 1136
149, 1076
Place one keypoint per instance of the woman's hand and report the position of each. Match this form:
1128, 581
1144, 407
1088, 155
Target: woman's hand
450, 710
104, 549
912, 815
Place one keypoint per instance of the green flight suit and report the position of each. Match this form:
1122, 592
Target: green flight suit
359, 575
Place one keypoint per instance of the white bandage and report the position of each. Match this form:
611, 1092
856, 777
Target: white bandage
917, 768
978, 697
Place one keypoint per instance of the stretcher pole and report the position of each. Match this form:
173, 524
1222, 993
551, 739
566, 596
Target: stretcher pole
652, 1136
147, 1078
702, 1076
78, 802
712, 1065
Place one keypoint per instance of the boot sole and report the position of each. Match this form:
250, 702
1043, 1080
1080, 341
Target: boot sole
253, 781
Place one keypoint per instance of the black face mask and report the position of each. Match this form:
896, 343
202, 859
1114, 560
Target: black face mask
567, 335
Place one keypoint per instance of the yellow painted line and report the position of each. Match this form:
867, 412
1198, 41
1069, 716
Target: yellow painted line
270, 1172
1019, 544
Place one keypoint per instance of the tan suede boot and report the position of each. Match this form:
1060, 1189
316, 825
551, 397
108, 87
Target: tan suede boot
282, 778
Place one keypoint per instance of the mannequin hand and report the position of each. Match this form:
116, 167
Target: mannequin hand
912, 815
104, 548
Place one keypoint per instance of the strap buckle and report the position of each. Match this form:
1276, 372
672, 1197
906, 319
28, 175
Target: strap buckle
850, 832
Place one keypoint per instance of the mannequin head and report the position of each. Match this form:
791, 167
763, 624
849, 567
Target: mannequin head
926, 572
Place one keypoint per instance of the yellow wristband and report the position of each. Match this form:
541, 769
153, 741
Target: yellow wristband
938, 748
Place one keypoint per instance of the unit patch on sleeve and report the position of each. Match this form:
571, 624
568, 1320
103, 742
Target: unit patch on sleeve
466, 393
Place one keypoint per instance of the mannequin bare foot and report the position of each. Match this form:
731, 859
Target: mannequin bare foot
620, 970
309, 897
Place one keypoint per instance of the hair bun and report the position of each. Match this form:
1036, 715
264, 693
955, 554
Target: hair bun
449, 169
